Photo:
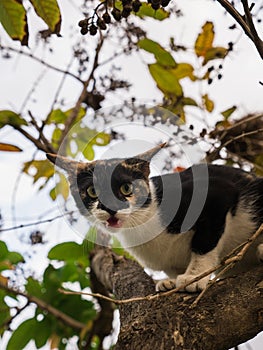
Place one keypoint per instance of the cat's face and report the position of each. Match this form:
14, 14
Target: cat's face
114, 193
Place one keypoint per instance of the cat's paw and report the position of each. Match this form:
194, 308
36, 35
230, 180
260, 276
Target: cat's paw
260, 252
166, 284
194, 287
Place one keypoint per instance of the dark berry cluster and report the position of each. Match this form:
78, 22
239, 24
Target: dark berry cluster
102, 15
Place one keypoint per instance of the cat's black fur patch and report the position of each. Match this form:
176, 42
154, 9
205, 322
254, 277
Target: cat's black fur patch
226, 186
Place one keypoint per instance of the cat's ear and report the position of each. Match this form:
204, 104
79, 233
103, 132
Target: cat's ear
69, 165
148, 155
142, 161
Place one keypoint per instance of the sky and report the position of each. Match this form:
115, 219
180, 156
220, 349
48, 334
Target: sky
242, 71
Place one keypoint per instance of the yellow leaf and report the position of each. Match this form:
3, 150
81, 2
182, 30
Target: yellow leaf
209, 104
54, 341
205, 39
6, 147
215, 53
184, 70
3, 280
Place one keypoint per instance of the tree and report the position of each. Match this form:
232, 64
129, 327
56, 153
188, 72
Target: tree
61, 127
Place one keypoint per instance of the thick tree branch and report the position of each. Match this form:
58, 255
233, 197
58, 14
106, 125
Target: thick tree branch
231, 312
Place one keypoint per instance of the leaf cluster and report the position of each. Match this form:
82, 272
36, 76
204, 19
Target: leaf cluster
57, 317
13, 17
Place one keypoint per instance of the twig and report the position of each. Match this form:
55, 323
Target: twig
36, 142
231, 260
223, 145
39, 60
228, 260
246, 23
237, 124
237, 16
35, 223
74, 114
244, 134
33, 88
44, 306
256, 39
41, 136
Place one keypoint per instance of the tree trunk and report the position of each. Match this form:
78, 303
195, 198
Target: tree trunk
229, 313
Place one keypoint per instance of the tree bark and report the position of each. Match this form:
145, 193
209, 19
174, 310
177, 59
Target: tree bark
229, 313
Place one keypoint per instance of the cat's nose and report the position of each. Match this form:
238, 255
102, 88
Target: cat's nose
108, 210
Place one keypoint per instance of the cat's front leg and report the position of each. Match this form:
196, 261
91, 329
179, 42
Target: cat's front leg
198, 265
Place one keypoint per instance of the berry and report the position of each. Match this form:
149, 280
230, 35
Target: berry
165, 3
93, 29
101, 24
106, 17
83, 23
116, 14
84, 30
136, 5
127, 9
155, 4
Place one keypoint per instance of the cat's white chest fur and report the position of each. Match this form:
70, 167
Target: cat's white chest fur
154, 248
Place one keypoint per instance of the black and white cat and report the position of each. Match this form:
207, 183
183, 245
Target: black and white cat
180, 223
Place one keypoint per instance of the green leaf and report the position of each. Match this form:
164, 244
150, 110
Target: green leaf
43, 331
14, 20
205, 39
56, 116
228, 112
22, 335
33, 287
15, 258
162, 56
166, 80
147, 11
11, 118
3, 251
208, 103
49, 11
7, 147
66, 251
88, 152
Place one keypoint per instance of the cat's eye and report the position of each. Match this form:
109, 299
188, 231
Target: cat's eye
126, 189
91, 192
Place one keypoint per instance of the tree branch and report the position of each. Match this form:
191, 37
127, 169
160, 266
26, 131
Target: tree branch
39, 60
246, 23
171, 322
249, 20
74, 114
61, 316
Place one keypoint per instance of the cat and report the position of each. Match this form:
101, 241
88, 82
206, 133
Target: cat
181, 223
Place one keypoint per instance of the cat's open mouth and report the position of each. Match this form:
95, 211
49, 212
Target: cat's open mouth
114, 222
